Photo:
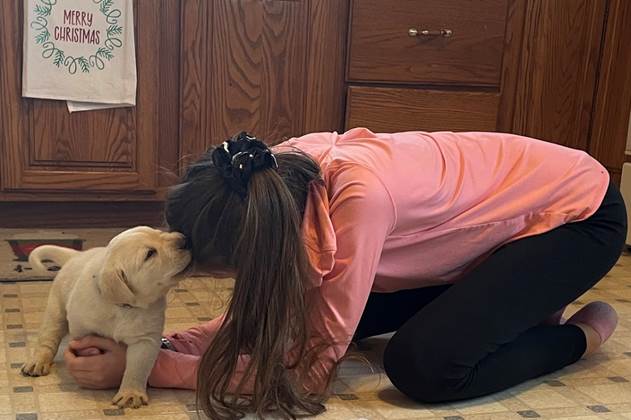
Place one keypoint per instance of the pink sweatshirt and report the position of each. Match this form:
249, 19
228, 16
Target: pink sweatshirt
408, 210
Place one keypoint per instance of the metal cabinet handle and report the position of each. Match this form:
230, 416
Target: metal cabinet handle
445, 33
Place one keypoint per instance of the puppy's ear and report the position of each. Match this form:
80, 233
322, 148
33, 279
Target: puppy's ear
113, 285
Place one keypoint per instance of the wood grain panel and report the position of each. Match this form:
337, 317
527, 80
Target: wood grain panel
258, 69
380, 48
59, 138
11, 107
394, 109
148, 100
169, 94
613, 100
557, 75
237, 69
274, 68
195, 78
326, 63
511, 63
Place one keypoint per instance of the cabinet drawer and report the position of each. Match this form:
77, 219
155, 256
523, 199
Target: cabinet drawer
381, 49
391, 110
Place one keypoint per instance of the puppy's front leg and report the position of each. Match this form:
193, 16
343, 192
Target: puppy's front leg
54, 327
141, 356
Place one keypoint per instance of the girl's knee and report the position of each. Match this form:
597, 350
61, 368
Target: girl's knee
422, 373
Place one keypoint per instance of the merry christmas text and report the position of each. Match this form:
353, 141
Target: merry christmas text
77, 28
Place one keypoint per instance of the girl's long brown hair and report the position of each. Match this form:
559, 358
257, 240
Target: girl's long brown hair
258, 237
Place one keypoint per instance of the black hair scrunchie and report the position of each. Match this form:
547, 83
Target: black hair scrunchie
239, 157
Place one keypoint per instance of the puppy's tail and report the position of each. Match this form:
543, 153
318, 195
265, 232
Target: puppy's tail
59, 255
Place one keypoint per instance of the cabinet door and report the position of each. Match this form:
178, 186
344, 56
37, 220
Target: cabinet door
557, 74
273, 68
47, 149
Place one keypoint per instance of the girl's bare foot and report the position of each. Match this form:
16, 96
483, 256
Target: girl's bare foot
598, 320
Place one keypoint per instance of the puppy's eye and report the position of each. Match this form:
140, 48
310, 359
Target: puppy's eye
150, 253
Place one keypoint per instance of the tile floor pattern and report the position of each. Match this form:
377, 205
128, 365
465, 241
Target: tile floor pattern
599, 388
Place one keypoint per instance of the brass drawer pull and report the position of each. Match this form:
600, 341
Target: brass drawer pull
445, 33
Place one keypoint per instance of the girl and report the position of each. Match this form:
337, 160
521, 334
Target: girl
467, 245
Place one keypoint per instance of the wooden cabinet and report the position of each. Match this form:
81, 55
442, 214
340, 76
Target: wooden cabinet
552, 69
113, 154
206, 70
433, 65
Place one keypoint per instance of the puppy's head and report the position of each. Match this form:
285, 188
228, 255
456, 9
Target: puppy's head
141, 265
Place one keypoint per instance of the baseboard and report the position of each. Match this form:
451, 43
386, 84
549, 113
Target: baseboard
80, 215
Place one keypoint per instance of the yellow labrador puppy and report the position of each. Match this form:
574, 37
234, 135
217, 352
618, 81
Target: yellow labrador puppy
118, 291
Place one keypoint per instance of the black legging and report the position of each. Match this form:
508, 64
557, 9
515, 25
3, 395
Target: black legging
484, 333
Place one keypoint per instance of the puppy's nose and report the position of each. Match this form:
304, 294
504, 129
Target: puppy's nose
180, 240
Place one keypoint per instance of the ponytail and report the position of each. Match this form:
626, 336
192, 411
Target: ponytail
251, 223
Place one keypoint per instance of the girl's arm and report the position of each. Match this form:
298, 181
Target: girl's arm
363, 215
175, 370
196, 340
178, 369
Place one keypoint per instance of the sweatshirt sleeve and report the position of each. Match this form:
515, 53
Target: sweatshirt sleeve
174, 370
197, 339
362, 213
178, 369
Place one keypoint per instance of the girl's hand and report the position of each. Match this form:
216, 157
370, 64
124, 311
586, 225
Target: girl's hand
96, 362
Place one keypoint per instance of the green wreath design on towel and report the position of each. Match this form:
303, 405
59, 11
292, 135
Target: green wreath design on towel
44, 8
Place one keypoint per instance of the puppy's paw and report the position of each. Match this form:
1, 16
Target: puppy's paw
36, 367
133, 398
